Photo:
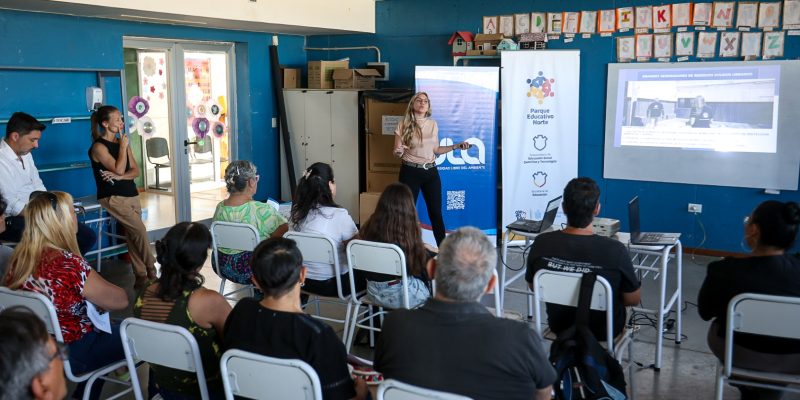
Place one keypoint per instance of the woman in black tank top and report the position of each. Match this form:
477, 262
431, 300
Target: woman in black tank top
115, 169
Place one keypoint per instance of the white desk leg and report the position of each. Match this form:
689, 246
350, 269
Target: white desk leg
679, 288
504, 262
662, 293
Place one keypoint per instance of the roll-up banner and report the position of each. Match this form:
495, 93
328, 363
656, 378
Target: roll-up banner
464, 105
540, 130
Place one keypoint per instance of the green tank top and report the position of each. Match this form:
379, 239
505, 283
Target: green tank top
152, 308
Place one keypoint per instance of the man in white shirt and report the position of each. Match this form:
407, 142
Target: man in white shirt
19, 177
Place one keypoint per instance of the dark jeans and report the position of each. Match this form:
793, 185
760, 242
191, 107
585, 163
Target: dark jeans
328, 287
15, 225
429, 182
94, 350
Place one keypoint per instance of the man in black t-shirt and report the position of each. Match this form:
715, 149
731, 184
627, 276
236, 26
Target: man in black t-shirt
577, 249
700, 114
655, 111
453, 343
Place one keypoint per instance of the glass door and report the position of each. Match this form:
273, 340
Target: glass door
181, 113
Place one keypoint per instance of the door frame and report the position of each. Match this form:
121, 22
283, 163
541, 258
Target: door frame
175, 50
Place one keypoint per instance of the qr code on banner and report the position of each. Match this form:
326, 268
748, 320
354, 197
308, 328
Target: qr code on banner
455, 199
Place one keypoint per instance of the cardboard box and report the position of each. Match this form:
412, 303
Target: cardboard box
320, 73
382, 118
366, 205
290, 77
377, 181
380, 157
355, 78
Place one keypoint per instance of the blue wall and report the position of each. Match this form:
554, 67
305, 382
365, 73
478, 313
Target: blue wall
47, 40
415, 32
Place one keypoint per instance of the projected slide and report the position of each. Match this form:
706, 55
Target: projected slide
728, 109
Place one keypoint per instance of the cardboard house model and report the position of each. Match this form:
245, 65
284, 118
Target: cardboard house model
532, 41
507, 44
488, 41
461, 42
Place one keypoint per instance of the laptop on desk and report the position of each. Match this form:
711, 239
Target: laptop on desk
647, 238
532, 226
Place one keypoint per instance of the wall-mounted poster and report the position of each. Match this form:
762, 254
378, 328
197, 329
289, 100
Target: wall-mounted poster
722, 15
554, 23
507, 25
729, 44
791, 14
682, 14
769, 15
522, 23
706, 44
751, 44
773, 44
644, 46
747, 14
570, 22
538, 23
625, 18
644, 17
607, 21
490, 25
626, 48
588, 22
684, 44
701, 15
662, 17
662, 45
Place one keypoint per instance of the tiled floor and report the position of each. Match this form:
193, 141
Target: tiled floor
688, 369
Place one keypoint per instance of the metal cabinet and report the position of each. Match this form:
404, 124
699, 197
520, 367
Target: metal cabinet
324, 128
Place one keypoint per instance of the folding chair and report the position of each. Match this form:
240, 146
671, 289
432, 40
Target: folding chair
234, 236
563, 288
44, 309
391, 389
321, 249
253, 376
762, 315
382, 258
161, 344
158, 147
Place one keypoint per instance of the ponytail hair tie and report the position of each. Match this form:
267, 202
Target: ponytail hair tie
306, 174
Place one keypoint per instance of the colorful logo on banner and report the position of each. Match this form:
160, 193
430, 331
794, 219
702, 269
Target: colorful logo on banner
541, 87
464, 104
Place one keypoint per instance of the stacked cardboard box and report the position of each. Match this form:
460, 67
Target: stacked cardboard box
320, 73
381, 120
366, 205
355, 78
291, 77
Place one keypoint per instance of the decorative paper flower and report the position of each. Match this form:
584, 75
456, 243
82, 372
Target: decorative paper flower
138, 106
218, 129
133, 122
149, 66
147, 127
201, 126
215, 110
201, 110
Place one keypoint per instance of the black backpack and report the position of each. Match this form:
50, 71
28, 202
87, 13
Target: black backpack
584, 369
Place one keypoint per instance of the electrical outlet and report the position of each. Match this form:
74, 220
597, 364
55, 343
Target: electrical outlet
695, 208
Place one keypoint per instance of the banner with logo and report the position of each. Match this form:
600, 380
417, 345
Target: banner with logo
540, 130
464, 105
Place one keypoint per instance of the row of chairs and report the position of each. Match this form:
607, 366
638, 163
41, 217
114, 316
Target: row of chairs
243, 373
362, 255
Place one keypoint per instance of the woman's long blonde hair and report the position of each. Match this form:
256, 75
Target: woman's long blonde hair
48, 223
410, 127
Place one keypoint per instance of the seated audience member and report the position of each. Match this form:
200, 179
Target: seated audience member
277, 327
46, 261
453, 343
179, 298
19, 177
314, 211
770, 230
31, 362
395, 221
241, 180
576, 248
5, 251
